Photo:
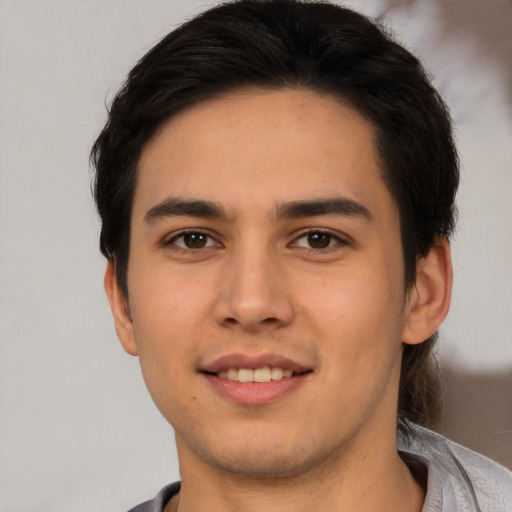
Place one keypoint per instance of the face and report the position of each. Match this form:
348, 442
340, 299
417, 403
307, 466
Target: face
265, 279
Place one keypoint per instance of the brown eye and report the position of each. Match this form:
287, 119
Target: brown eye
192, 240
195, 240
319, 240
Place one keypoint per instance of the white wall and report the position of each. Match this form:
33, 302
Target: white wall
77, 428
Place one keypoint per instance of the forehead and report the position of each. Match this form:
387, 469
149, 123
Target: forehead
259, 147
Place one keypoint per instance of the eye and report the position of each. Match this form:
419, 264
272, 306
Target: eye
318, 240
192, 240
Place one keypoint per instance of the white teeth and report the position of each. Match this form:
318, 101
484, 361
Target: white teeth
277, 373
232, 374
264, 374
245, 375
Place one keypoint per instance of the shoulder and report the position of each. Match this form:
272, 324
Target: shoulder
459, 478
158, 503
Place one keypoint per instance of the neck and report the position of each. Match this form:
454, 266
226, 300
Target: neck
354, 481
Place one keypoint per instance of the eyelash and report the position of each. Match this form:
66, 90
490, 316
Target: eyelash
171, 242
339, 241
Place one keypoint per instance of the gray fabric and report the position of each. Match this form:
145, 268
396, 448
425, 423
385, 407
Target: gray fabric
458, 480
161, 499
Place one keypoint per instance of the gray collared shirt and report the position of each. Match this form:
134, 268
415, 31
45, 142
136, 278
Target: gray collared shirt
459, 480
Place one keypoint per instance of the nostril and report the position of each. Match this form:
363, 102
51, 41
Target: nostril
234, 321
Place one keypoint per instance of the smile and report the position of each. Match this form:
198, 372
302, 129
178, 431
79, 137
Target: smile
265, 374
247, 380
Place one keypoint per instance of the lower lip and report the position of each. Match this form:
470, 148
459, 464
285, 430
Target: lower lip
255, 393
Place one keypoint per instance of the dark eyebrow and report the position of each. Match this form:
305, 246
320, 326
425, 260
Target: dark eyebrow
315, 207
176, 206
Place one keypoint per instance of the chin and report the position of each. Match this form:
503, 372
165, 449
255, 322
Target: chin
264, 468
271, 462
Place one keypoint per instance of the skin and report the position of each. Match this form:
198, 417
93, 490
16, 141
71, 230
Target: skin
261, 285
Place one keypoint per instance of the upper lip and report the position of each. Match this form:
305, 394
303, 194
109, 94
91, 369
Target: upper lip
253, 362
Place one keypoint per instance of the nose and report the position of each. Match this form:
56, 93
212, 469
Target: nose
253, 294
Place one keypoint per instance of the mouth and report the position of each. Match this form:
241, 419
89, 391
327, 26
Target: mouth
260, 375
248, 380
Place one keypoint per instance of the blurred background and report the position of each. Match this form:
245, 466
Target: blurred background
78, 430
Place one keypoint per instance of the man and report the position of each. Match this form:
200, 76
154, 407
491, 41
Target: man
276, 183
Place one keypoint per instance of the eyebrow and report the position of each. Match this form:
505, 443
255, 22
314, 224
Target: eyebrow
316, 207
292, 210
175, 206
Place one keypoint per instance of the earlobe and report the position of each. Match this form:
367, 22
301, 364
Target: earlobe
429, 297
120, 310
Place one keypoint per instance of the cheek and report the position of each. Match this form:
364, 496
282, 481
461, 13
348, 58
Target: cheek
362, 294
358, 312
168, 315
360, 329
167, 302
168, 318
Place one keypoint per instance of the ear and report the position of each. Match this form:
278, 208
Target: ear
120, 310
429, 297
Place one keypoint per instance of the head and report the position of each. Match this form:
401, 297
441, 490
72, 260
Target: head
280, 45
